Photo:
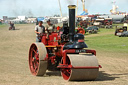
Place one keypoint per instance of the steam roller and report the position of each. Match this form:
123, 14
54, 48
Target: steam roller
64, 51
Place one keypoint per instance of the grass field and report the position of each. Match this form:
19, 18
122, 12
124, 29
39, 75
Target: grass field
105, 40
112, 54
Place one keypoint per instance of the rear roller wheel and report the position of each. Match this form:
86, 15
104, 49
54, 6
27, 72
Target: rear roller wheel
37, 64
80, 61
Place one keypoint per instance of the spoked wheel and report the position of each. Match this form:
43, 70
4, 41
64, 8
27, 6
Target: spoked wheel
10, 28
66, 72
80, 73
37, 64
82, 31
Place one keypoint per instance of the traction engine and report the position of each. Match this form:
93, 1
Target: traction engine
65, 51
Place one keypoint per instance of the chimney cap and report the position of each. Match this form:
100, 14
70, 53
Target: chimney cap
72, 6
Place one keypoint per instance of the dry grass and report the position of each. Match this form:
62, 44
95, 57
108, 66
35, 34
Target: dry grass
14, 70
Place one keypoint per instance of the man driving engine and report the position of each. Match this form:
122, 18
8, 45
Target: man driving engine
39, 30
49, 28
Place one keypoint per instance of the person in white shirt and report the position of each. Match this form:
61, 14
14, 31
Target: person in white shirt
39, 30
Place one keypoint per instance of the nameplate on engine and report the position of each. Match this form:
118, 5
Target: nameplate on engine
80, 51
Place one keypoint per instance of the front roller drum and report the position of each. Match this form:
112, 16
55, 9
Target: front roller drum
37, 54
76, 60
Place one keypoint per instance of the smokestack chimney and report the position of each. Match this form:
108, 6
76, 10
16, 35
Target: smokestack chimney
71, 22
76, 41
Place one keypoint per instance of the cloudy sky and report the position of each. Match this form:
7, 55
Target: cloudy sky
50, 7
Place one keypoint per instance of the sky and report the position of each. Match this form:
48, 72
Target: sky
13, 8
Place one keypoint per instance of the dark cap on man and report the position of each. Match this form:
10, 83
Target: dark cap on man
48, 20
40, 21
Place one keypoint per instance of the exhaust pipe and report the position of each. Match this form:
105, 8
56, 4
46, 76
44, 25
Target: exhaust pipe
71, 22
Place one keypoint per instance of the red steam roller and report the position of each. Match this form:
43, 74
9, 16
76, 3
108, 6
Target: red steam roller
65, 51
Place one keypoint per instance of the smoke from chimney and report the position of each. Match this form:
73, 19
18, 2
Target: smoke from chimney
51, 7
